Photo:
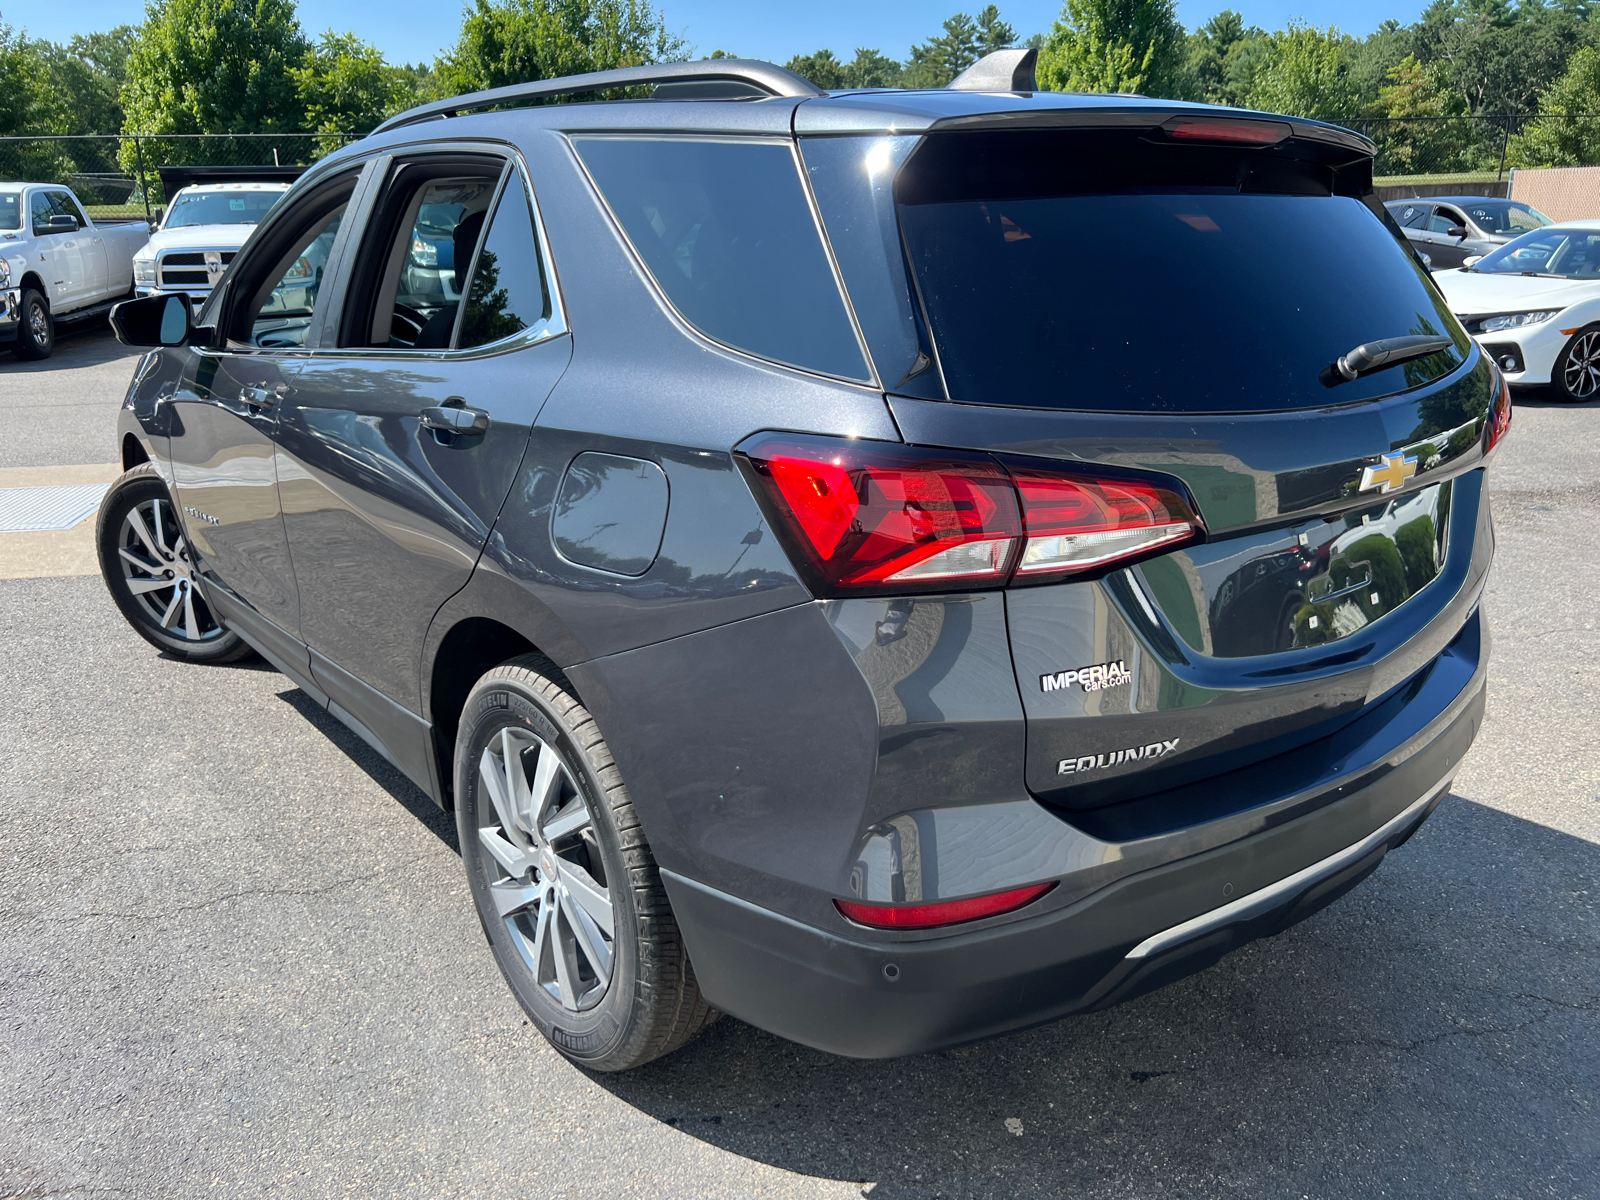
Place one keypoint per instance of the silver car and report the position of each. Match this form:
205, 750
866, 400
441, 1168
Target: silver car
1448, 230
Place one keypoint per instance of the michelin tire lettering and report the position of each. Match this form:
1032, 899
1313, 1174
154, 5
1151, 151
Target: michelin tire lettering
1095, 762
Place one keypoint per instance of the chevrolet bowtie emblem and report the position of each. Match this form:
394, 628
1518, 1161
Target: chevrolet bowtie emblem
1394, 471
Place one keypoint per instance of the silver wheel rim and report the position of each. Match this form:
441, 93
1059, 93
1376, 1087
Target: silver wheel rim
39, 323
1582, 371
548, 881
157, 569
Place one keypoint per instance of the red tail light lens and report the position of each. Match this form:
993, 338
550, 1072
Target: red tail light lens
1499, 416
949, 912
1210, 129
889, 518
870, 514
1077, 523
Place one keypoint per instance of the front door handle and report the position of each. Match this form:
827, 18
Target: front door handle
258, 395
451, 419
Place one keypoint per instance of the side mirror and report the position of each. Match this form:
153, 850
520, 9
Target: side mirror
61, 223
152, 321
1470, 259
1456, 231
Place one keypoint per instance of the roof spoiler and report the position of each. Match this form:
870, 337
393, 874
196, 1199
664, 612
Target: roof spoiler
749, 79
1001, 71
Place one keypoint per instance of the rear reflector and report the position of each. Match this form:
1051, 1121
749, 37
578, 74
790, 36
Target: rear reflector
881, 516
949, 912
1205, 129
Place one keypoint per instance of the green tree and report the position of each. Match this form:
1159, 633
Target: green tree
821, 67
85, 78
346, 89
1114, 46
516, 41
870, 69
1570, 134
1497, 55
1220, 60
934, 63
1413, 139
215, 66
1306, 74
26, 108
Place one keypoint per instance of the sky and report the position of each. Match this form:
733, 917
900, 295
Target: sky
416, 30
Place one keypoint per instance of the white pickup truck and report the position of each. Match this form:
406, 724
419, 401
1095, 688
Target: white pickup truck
56, 265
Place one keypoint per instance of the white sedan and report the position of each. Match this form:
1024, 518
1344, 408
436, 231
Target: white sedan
1534, 307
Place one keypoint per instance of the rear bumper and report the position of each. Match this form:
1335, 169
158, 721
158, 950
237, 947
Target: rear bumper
879, 998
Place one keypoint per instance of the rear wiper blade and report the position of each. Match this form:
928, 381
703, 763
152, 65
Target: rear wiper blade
1374, 356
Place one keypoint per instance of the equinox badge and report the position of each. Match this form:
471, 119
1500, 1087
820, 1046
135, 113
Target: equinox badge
1093, 762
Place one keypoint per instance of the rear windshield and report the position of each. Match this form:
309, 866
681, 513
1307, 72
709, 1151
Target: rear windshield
1102, 271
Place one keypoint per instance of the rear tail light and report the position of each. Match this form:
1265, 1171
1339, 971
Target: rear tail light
889, 518
1077, 522
948, 912
1499, 416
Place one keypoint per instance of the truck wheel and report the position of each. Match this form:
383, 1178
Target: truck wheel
36, 336
563, 879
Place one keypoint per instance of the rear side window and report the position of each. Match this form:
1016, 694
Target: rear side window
508, 292
727, 233
1107, 272
1411, 216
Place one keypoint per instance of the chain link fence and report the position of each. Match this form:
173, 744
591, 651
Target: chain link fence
119, 177
1474, 155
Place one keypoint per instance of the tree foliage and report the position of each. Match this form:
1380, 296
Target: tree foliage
1306, 73
346, 89
516, 41
1114, 46
1564, 141
932, 64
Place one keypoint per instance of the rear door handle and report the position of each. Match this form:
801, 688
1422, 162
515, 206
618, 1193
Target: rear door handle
451, 419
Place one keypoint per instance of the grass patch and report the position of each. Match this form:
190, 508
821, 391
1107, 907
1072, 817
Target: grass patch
1431, 180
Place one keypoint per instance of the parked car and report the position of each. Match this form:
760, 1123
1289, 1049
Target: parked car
797, 557
1447, 230
56, 265
200, 231
1534, 306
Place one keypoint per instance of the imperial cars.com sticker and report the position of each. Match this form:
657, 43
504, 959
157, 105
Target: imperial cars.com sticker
1093, 762
1091, 679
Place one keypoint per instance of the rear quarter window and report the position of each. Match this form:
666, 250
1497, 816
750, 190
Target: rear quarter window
727, 233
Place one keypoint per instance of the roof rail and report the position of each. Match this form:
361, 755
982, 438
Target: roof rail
761, 78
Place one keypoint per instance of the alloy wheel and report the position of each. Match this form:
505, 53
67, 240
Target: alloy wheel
159, 572
551, 889
39, 323
1581, 373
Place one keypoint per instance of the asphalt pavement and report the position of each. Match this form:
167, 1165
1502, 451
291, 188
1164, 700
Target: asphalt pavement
238, 958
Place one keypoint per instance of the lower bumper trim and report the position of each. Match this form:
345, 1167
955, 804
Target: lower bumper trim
1265, 899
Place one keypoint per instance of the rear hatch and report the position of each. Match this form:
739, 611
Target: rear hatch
1176, 301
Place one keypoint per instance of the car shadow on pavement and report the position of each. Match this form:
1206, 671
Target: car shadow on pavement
387, 776
90, 345
1430, 1034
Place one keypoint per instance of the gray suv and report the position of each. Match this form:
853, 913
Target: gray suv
834, 567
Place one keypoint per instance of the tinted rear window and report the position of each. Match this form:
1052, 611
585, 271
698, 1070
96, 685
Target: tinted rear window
727, 232
1104, 272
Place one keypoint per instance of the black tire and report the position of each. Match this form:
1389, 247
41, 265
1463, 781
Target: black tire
36, 331
149, 572
650, 1003
1575, 377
